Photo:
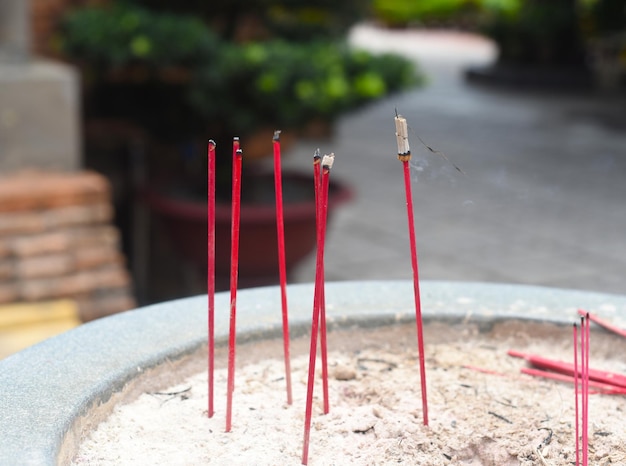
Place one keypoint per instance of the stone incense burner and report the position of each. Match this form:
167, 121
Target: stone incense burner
56, 392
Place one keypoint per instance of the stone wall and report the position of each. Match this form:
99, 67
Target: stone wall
57, 241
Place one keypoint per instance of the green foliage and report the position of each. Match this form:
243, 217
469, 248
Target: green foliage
606, 16
538, 32
288, 84
299, 20
229, 87
402, 12
408, 11
120, 35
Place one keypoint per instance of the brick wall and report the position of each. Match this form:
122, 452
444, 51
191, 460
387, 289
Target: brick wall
57, 241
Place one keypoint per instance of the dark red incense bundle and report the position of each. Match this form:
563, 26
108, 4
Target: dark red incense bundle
404, 155
327, 163
211, 269
282, 268
234, 270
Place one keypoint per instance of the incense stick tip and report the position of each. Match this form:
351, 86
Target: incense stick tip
276, 135
316, 155
212, 143
328, 160
402, 138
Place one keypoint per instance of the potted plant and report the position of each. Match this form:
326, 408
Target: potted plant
218, 88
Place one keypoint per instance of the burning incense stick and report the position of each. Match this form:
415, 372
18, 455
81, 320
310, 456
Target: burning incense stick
327, 163
404, 155
234, 270
211, 268
317, 180
280, 231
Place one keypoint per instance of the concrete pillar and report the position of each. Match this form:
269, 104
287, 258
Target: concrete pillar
14, 31
39, 101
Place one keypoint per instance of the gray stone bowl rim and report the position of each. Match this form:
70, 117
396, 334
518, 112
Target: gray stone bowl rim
46, 387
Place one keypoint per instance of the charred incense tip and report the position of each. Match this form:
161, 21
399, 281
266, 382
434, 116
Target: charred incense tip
317, 158
212, 143
276, 135
327, 161
402, 138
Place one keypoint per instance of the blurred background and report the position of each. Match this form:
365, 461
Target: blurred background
106, 108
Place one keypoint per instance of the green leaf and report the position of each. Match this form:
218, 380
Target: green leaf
141, 46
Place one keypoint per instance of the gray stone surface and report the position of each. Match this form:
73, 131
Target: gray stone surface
39, 116
543, 199
14, 31
47, 386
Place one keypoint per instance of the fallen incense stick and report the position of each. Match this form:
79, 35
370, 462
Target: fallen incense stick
610, 378
282, 268
234, 270
211, 271
598, 387
404, 155
604, 323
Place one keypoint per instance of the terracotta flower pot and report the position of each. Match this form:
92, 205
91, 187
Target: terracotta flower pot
185, 221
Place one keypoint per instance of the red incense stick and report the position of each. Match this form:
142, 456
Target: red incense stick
327, 163
604, 323
598, 387
211, 268
234, 270
320, 219
280, 231
484, 370
576, 414
404, 155
584, 335
611, 378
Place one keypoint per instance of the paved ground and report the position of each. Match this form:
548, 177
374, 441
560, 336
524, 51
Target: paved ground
544, 199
